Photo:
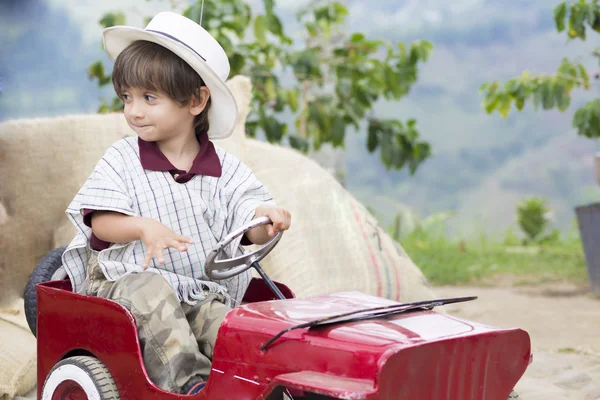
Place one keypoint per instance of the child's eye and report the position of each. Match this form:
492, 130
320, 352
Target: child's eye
148, 97
124, 96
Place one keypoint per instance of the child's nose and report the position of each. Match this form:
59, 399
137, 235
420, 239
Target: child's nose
136, 110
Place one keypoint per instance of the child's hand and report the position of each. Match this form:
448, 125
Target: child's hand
280, 218
157, 237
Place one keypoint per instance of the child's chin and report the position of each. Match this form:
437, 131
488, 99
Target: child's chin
146, 135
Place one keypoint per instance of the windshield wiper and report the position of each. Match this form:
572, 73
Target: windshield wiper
375, 312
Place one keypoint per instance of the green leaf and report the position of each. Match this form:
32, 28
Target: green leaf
112, 19
387, 154
584, 75
338, 131
340, 11
298, 143
292, 98
96, 70
274, 130
490, 103
274, 24
260, 29
363, 97
520, 103
270, 89
373, 136
561, 98
591, 14
317, 116
306, 65
236, 62
424, 49
503, 105
587, 120
251, 127
281, 99
357, 37
563, 102
547, 96
269, 5
311, 27
576, 21
560, 12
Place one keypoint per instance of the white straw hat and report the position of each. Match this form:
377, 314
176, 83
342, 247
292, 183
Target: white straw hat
195, 46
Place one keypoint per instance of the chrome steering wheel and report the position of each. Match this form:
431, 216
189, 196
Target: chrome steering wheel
227, 268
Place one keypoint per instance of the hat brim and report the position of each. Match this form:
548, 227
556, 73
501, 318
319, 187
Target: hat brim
222, 114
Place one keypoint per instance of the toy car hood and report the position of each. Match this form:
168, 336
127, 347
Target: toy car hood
411, 353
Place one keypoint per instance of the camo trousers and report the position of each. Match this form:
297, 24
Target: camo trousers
176, 339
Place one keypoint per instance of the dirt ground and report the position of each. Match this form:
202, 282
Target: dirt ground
564, 325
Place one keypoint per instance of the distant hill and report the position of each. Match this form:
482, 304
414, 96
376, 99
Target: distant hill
532, 153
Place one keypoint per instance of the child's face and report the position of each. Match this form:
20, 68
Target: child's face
154, 116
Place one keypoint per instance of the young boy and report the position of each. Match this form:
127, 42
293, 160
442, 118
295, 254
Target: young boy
155, 205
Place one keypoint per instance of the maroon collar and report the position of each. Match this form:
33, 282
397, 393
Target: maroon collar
207, 161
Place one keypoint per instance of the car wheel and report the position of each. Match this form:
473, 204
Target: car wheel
80, 377
48, 269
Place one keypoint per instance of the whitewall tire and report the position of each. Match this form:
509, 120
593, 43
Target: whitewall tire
80, 377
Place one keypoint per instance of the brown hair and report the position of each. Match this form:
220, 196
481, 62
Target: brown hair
151, 66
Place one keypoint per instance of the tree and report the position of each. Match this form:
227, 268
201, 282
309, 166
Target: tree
337, 78
554, 90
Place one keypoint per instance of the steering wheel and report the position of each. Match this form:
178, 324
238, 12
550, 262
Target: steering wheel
225, 269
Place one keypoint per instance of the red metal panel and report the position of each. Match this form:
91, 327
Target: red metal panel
422, 355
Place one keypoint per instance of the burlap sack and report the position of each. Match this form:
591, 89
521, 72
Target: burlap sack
17, 352
334, 243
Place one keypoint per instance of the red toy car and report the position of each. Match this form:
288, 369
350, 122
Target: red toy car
340, 346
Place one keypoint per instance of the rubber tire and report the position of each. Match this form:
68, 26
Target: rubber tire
96, 370
42, 272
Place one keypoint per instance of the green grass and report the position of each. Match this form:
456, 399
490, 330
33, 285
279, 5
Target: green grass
445, 261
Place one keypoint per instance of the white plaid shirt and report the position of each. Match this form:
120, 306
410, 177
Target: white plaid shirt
205, 208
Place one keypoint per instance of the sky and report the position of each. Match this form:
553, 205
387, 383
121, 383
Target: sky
407, 13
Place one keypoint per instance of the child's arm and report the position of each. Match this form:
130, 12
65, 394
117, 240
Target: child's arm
115, 227
280, 218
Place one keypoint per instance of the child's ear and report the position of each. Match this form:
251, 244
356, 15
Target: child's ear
198, 103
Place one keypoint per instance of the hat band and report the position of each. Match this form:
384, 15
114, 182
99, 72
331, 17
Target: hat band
177, 40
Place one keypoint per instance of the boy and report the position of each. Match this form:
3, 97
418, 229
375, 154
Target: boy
155, 205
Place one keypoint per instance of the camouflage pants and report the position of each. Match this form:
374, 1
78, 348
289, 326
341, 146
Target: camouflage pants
177, 339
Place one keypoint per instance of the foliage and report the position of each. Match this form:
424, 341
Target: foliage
549, 91
338, 77
409, 223
533, 217
484, 260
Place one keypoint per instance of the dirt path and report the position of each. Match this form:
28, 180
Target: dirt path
564, 325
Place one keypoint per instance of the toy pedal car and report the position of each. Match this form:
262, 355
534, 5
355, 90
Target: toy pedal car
339, 346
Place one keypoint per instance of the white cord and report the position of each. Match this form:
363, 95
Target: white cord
201, 12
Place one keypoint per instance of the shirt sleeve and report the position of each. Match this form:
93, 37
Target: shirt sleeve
96, 243
106, 190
